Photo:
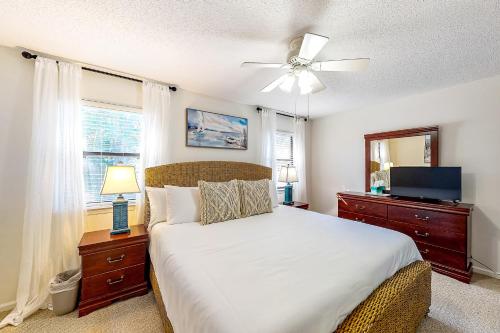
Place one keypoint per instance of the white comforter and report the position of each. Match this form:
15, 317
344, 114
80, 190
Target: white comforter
288, 271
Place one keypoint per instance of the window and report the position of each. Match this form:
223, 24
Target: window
109, 137
283, 143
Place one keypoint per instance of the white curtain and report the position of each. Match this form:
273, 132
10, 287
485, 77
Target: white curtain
155, 131
380, 152
268, 130
299, 158
384, 153
54, 208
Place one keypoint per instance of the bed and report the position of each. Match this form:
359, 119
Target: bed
287, 271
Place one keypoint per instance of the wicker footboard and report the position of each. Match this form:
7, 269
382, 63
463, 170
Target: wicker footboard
397, 305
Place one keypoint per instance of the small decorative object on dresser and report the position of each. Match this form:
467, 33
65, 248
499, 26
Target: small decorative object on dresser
288, 175
113, 267
297, 204
120, 180
441, 230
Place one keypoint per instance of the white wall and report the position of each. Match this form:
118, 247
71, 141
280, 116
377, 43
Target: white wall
16, 77
468, 116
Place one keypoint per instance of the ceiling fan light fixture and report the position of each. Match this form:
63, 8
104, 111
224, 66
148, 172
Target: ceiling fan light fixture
287, 84
305, 82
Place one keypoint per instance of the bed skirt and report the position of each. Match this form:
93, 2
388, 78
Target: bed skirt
397, 306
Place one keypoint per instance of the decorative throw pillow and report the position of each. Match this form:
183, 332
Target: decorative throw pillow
220, 201
255, 198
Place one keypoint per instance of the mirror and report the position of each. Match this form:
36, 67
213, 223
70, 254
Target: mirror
411, 147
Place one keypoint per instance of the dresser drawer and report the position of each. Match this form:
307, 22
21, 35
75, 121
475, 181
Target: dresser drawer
449, 222
433, 236
102, 284
363, 207
363, 218
105, 261
442, 256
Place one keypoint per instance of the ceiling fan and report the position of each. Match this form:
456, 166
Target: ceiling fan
301, 65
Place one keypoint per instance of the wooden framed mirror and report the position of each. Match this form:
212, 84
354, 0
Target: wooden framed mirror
408, 147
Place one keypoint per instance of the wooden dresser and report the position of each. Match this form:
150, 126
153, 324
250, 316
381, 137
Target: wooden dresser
442, 231
113, 267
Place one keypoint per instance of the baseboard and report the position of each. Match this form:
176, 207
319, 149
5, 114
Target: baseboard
7, 306
485, 271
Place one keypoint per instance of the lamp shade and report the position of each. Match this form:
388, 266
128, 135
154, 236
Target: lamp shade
120, 180
288, 174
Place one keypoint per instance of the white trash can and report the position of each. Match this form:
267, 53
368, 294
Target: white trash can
64, 291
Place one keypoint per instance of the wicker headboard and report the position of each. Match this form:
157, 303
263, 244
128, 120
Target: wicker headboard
189, 173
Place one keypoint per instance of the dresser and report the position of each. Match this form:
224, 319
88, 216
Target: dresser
441, 230
113, 267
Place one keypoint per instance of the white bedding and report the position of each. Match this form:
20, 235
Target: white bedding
289, 271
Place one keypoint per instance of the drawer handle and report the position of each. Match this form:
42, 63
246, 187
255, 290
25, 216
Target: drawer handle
425, 219
360, 207
120, 258
421, 234
357, 219
110, 282
426, 251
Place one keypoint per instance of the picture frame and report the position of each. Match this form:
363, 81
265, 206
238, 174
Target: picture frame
206, 129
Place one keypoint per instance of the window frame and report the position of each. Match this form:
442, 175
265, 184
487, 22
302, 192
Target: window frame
114, 107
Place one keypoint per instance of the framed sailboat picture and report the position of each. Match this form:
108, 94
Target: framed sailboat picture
215, 130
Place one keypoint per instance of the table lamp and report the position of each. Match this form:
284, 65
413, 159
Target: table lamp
288, 175
120, 180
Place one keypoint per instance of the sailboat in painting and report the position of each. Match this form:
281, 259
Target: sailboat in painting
200, 130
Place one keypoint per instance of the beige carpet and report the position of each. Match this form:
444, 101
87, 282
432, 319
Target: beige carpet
456, 308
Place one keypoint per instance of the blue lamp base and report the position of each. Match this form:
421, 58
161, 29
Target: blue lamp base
120, 216
288, 194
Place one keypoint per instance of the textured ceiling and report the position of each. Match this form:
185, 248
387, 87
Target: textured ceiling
414, 45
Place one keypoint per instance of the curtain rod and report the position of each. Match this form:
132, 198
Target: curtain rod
28, 55
281, 113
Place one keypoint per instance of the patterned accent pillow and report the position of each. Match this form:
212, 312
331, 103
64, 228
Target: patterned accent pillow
255, 197
220, 201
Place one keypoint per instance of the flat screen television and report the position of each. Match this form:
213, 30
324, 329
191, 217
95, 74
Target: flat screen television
437, 183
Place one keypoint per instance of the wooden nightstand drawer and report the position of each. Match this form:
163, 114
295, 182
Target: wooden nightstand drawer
103, 284
110, 260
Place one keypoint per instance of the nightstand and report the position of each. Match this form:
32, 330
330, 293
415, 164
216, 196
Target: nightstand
113, 267
297, 204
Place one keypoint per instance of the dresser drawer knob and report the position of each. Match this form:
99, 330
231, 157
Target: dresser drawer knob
357, 219
425, 219
426, 251
110, 282
360, 207
421, 234
113, 260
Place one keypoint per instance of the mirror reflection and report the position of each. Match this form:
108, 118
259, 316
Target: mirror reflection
405, 151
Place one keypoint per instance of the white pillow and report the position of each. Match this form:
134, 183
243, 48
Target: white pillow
157, 205
183, 204
273, 193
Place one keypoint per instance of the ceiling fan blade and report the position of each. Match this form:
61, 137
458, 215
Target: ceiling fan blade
263, 65
271, 86
343, 65
309, 83
311, 45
